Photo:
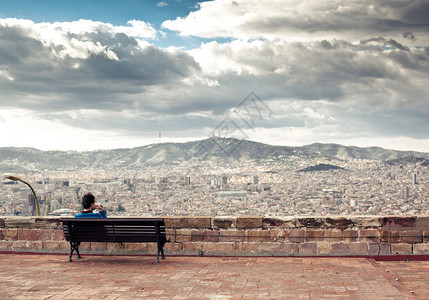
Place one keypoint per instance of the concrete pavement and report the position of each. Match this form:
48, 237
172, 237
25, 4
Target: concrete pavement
40, 276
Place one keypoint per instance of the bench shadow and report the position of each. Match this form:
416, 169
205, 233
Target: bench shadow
115, 260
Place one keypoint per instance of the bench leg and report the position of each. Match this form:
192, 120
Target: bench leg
160, 250
74, 247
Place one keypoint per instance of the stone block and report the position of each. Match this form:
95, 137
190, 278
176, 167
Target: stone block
226, 248
173, 248
248, 248
278, 235
57, 235
384, 235
87, 246
211, 236
392, 236
36, 245
422, 223
170, 235
338, 222
401, 248
366, 221
152, 248
385, 249
314, 235
323, 248
64, 246
173, 222
10, 234
307, 249
425, 236
196, 222
232, 236
197, 235
249, 222
95, 247
44, 234
278, 222
27, 234
289, 249
333, 235
225, 222
48, 222
191, 248
19, 245
369, 235
421, 248
266, 248
207, 249
398, 222
183, 235
411, 236
277, 249
379, 248
358, 248
5, 245
309, 222
296, 236
351, 235
20, 222
115, 248
340, 249
51, 246
257, 235
135, 247
2, 223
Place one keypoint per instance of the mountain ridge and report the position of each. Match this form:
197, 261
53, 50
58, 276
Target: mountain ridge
228, 150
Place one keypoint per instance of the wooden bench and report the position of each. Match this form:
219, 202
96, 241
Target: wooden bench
114, 230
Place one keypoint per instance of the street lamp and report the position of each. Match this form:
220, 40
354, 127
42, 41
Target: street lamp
17, 178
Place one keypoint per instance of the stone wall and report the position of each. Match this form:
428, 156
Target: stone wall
242, 236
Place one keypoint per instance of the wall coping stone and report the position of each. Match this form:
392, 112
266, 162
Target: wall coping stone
402, 222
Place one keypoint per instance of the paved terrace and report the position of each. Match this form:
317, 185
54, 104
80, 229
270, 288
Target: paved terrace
42, 276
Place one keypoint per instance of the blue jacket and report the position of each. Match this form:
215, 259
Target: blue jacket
90, 214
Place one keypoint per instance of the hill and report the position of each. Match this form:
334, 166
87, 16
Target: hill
321, 167
409, 159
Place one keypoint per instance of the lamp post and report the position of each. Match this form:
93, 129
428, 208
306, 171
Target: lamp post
17, 178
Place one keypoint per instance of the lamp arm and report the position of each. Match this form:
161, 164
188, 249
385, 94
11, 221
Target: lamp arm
35, 196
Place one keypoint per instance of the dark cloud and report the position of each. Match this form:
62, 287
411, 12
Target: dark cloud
410, 36
386, 43
414, 12
59, 77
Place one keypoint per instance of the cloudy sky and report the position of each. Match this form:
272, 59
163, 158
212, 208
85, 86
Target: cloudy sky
87, 74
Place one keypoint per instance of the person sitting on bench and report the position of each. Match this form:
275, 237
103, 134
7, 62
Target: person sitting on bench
89, 205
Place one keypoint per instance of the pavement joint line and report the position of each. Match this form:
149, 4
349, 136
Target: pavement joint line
396, 283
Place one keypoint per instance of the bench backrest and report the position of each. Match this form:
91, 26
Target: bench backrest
120, 230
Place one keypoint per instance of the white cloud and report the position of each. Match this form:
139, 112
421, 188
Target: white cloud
162, 4
305, 19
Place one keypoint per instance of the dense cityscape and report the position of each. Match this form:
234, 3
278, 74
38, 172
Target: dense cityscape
273, 187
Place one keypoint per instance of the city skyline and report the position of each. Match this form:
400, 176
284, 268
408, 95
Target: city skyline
81, 76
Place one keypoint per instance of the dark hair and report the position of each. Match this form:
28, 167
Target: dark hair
87, 200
